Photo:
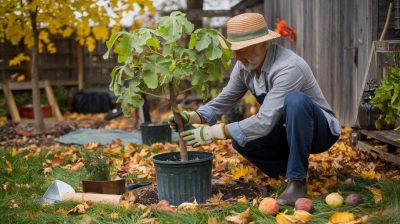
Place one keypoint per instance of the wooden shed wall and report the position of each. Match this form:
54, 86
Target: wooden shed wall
334, 37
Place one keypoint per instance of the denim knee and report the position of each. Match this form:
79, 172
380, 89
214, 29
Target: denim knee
296, 101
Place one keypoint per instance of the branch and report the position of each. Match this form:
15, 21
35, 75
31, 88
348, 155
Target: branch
188, 89
151, 94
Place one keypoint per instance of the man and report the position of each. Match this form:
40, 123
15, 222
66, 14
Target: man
294, 119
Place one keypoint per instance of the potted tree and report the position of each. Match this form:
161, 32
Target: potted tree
98, 176
163, 57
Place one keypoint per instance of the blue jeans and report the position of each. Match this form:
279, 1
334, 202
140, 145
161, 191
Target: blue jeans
285, 150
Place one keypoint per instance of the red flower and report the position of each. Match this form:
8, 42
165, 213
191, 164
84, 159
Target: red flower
285, 30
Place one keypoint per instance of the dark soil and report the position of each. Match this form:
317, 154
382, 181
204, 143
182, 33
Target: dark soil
20, 135
238, 189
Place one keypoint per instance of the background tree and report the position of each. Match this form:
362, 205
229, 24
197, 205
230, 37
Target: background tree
33, 21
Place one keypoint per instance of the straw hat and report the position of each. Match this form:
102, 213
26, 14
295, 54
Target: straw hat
248, 29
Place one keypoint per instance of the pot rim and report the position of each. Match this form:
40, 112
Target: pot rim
157, 161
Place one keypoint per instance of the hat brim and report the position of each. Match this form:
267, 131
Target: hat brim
242, 44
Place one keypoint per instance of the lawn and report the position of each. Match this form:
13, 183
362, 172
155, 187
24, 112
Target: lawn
26, 172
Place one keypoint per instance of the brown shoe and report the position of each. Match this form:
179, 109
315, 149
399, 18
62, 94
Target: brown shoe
295, 189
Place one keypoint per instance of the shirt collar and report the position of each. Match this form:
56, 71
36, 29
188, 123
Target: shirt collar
269, 59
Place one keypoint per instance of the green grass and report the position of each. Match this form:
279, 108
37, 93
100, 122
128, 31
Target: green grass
29, 172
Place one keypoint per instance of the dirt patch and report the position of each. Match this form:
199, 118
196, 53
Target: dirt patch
148, 195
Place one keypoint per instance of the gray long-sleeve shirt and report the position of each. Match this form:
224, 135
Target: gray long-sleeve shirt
284, 72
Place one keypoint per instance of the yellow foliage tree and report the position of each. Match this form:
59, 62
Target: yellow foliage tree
34, 21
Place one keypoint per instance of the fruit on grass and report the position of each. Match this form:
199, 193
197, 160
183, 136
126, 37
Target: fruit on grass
354, 199
304, 204
334, 199
269, 206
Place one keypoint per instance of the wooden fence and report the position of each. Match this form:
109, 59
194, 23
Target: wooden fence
63, 65
334, 37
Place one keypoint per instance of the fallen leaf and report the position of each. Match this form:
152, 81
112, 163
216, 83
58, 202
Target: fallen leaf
163, 205
5, 186
243, 200
341, 217
80, 208
114, 215
148, 221
188, 206
47, 170
376, 193
239, 218
302, 216
212, 220
241, 172
61, 211
13, 203
9, 167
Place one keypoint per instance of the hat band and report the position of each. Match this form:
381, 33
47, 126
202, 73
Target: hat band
235, 37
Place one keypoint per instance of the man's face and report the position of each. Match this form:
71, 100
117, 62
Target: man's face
252, 56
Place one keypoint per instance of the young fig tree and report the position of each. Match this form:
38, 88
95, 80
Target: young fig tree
163, 57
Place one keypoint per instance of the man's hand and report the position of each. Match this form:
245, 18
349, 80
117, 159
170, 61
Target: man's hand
204, 135
191, 117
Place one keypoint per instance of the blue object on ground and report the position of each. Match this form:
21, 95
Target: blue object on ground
104, 136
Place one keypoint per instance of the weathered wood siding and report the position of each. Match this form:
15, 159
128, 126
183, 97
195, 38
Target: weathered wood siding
334, 37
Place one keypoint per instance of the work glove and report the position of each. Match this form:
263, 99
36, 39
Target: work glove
204, 135
191, 117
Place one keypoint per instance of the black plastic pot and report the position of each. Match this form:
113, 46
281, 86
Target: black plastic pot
184, 181
368, 114
153, 133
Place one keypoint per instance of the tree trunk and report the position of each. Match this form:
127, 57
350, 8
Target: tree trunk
178, 119
37, 111
195, 6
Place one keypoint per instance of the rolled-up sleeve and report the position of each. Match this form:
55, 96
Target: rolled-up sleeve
288, 80
229, 96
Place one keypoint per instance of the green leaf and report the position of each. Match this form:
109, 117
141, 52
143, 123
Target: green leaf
187, 26
153, 42
140, 38
153, 66
202, 42
193, 40
167, 50
213, 52
111, 42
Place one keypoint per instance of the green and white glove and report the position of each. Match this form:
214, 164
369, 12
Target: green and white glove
191, 117
204, 135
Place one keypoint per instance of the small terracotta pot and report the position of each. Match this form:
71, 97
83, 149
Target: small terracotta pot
104, 187
26, 111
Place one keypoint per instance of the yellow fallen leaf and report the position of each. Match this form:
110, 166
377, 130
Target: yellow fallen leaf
5, 186
14, 152
376, 193
114, 215
243, 200
241, 172
80, 208
47, 170
302, 216
212, 220
239, 218
282, 218
9, 167
13, 203
342, 217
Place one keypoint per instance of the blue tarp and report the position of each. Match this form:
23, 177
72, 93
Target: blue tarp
104, 136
